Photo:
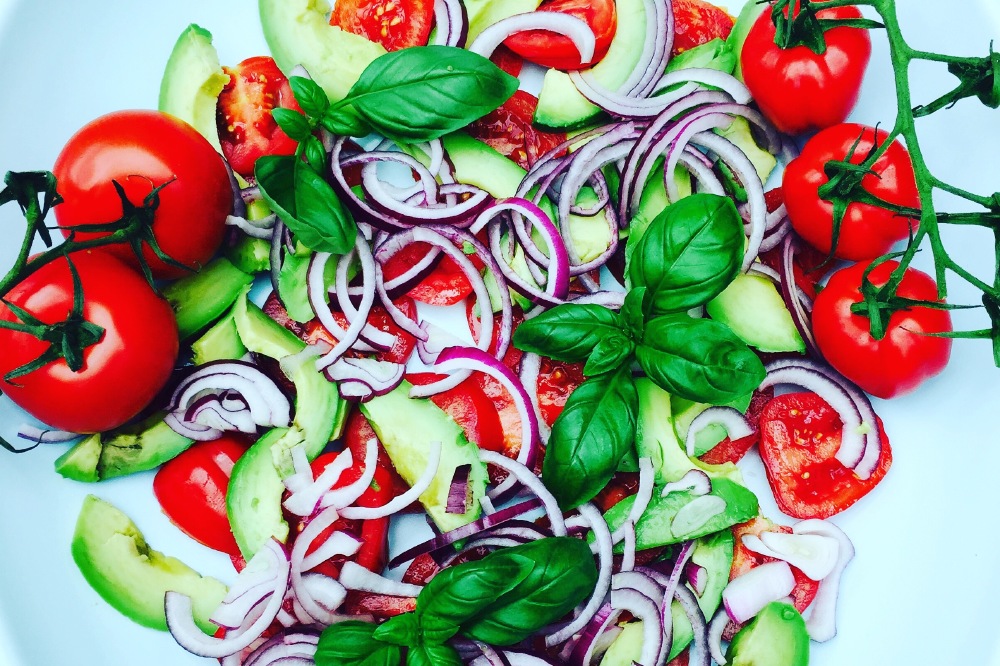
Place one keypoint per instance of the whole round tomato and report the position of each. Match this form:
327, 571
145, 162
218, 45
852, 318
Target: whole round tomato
866, 231
247, 130
395, 24
121, 373
143, 150
191, 490
799, 89
697, 22
508, 130
901, 360
549, 49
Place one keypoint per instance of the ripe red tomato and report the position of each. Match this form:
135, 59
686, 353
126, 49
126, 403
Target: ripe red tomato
395, 24
799, 438
313, 331
445, 285
905, 357
469, 407
730, 450
551, 50
143, 150
866, 231
121, 373
745, 559
191, 490
556, 380
247, 130
509, 131
697, 22
798, 89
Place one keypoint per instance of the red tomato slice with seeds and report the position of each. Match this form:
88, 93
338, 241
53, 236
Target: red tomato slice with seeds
395, 24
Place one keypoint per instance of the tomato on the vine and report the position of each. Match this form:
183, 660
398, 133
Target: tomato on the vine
395, 24
509, 131
142, 151
549, 49
906, 356
866, 230
121, 373
800, 435
191, 490
697, 22
801, 90
247, 130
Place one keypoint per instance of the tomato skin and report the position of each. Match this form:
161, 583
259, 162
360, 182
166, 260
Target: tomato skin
800, 435
395, 24
247, 131
143, 150
697, 22
470, 408
509, 131
551, 50
866, 231
905, 357
799, 90
745, 559
122, 372
400, 352
445, 285
191, 490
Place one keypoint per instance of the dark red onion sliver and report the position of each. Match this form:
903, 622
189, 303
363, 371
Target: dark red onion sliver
788, 293
459, 492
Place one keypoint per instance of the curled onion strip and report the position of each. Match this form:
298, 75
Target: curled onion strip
562, 24
404, 500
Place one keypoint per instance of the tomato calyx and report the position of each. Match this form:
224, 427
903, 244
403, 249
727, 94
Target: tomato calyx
67, 339
796, 24
977, 77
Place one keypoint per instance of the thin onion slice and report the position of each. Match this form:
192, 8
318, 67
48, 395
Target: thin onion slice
562, 24
747, 594
353, 576
404, 500
822, 621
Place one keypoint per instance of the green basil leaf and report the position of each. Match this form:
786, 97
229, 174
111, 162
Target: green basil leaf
461, 592
590, 437
293, 123
315, 153
689, 254
424, 92
567, 332
401, 630
609, 354
305, 203
310, 96
698, 359
352, 643
432, 655
562, 574
714, 54
345, 121
633, 312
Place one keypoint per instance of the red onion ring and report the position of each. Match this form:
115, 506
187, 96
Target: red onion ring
353, 576
569, 26
822, 622
731, 419
404, 500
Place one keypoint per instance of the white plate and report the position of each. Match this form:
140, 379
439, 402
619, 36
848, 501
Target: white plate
924, 585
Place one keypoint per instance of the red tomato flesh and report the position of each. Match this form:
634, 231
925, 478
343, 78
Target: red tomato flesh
395, 24
549, 49
697, 22
509, 131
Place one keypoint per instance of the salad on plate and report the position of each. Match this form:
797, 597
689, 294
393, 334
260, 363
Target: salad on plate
494, 332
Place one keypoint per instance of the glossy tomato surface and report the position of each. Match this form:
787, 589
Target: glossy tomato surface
866, 230
401, 349
798, 89
800, 435
445, 284
191, 490
697, 22
906, 356
549, 49
395, 24
469, 407
141, 151
121, 373
247, 130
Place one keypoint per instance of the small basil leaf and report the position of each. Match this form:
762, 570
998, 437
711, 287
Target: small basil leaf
610, 353
315, 153
292, 123
698, 359
714, 54
590, 437
432, 655
401, 630
424, 92
345, 121
562, 574
461, 592
352, 643
689, 254
305, 203
310, 96
567, 332
633, 313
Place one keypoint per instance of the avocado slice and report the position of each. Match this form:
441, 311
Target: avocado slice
121, 567
298, 32
752, 307
221, 341
406, 427
715, 553
201, 298
192, 81
776, 637
253, 500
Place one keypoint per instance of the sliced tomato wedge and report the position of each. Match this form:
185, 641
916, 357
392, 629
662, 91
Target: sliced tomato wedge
470, 408
247, 129
730, 450
549, 49
509, 131
800, 436
697, 22
395, 24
